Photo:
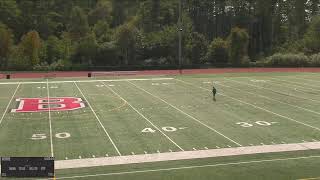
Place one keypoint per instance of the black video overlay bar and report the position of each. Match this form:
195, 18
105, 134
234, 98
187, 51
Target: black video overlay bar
27, 167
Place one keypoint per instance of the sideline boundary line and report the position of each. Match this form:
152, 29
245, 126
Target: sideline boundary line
257, 107
275, 91
4, 113
300, 85
193, 167
195, 119
84, 81
271, 99
94, 113
50, 123
164, 134
184, 155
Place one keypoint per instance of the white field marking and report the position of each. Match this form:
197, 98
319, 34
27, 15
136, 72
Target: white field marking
5, 111
185, 155
229, 146
132, 153
93, 156
256, 94
295, 77
50, 123
260, 87
158, 151
218, 147
94, 113
257, 107
283, 142
170, 150
251, 144
194, 149
273, 143
314, 178
86, 81
206, 148
300, 84
164, 134
292, 84
80, 157
145, 152
66, 158
107, 155
195, 119
262, 144
194, 167
314, 140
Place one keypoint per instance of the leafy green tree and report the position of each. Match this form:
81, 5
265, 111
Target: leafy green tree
238, 43
6, 44
102, 31
29, 47
312, 37
78, 25
128, 39
218, 51
102, 12
10, 13
196, 48
86, 50
54, 49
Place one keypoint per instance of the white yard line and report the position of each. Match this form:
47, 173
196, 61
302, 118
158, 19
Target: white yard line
257, 107
293, 84
193, 118
5, 111
312, 85
184, 155
143, 116
94, 113
260, 87
86, 81
256, 94
50, 123
192, 167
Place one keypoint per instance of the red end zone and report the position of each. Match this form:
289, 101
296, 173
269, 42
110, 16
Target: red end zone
166, 72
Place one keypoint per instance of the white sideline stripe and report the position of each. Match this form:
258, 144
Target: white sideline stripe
5, 111
104, 129
184, 155
257, 107
195, 119
50, 123
295, 77
256, 94
88, 81
273, 90
193, 167
143, 116
294, 84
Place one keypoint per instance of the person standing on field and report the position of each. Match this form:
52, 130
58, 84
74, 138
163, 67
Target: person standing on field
214, 92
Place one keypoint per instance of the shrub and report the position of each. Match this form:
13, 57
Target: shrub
218, 51
315, 60
290, 60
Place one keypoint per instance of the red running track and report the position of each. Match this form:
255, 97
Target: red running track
163, 72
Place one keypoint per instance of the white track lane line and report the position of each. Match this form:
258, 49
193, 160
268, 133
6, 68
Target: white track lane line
86, 81
260, 87
193, 118
4, 113
50, 122
257, 107
194, 167
143, 116
256, 94
94, 113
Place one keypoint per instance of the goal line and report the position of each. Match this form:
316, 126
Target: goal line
85, 81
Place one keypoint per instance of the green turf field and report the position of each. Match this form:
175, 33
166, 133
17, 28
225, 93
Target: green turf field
130, 117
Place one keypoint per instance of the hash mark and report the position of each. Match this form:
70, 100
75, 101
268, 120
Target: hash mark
314, 140
170, 150
80, 157
206, 148
218, 147
229, 146
66, 158
107, 155
145, 152
93, 156
158, 151
132, 153
251, 144
194, 149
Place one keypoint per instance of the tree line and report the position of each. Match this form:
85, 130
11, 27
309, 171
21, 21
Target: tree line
77, 34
